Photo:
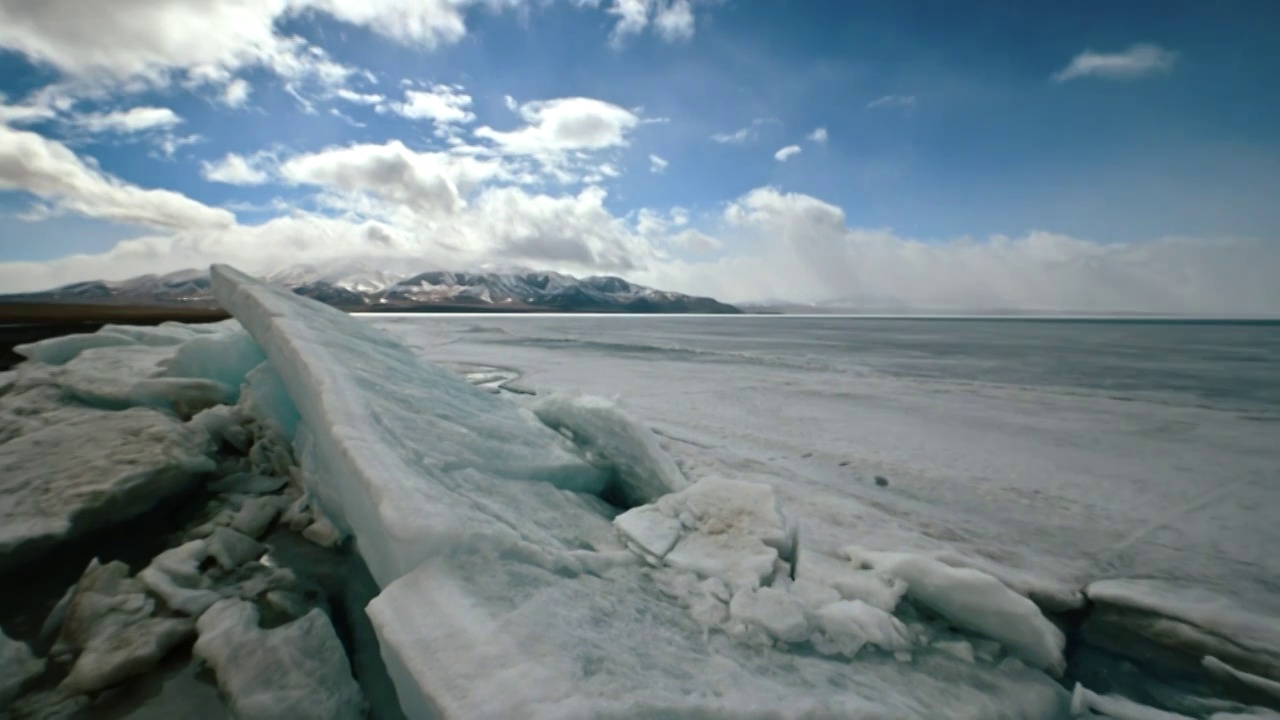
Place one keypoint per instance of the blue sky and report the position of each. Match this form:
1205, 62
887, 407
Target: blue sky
1093, 155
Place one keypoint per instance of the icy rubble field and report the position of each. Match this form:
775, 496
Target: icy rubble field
794, 538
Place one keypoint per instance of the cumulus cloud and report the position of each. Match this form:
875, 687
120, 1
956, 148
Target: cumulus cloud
903, 102
786, 152
424, 183
819, 135
657, 164
235, 169
49, 170
442, 104
564, 124
132, 120
1139, 61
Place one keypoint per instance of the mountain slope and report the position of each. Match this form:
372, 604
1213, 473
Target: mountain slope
360, 286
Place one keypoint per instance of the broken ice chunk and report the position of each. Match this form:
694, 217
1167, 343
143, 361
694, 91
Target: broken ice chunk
724, 528
18, 667
231, 549
767, 614
297, 670
1113, 706
174, 576
645, 472
649, 529
255, 516
126, 652
958, 649
1268, 690
977, 602
846, 625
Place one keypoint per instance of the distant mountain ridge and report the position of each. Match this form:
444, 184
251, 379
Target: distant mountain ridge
361, 287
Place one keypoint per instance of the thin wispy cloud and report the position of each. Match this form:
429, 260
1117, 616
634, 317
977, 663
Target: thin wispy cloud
1139, 61
819, 136
904, 102
743, 135
657, 164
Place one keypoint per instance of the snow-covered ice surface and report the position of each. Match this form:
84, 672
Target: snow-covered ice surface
1046, 455
1062, 453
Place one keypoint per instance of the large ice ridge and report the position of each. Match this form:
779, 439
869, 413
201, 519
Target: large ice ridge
509, 591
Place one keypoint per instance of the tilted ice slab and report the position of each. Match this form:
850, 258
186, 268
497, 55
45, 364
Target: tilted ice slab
1168, 622
404, 455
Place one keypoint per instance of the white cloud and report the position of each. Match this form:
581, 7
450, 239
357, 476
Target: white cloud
352, 96
905, 102
49, 170
236, 93
633, 18
786, 152
132, 120
442, 104
1138, 61
168, 144
235, 169
564, 124
769, 244
657, 164
138, 43
422, 183
674, 20
819, 135
742, 135
800, 248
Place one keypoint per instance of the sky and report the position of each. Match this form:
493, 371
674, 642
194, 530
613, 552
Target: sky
933, 154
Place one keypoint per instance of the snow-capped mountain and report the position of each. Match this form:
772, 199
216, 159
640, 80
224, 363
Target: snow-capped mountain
363, 286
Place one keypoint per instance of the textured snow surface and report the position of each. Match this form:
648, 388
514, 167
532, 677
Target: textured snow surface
404, 455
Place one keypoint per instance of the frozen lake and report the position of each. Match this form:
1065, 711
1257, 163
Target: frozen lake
1071, 450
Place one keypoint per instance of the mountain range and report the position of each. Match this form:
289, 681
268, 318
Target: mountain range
361, 287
